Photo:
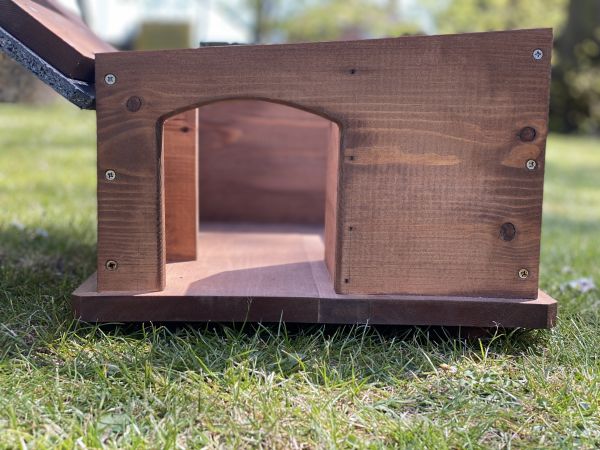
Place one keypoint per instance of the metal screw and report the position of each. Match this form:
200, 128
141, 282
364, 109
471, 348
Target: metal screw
507, 231
134, 104
110, 175
531, 164
111, 265
110, 79
538, 54
523, 274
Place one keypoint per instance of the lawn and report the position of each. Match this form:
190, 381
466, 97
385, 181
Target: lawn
69, 385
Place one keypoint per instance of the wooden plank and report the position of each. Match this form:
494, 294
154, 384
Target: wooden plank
55, 34
262, 162
433, 165
180, 144
332, 201
270, 273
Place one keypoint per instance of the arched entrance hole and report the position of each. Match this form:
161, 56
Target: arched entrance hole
265, 196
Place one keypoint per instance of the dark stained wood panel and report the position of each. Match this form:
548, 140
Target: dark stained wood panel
270, 273
262, 162
55, 34
431, 166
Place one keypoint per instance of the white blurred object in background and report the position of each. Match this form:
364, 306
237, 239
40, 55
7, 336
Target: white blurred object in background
116, 21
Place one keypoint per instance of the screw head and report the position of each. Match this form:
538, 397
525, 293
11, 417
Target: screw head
531, 164
111, 265
538, 54
134, 103
110, 175
523, 274
110, 79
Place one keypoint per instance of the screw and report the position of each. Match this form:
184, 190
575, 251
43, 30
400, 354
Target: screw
110, 79
531, 164
523, 274
527, 134
538, 54
110, 175
111, 265
134, 104
507, 231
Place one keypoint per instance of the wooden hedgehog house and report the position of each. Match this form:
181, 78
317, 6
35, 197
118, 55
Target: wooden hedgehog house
431, 173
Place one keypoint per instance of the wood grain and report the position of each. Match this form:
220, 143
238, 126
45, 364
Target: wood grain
270, 273
332, 208
262, 162
180, 144
55, 34
427, 125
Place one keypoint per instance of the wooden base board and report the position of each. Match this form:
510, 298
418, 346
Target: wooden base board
269, 273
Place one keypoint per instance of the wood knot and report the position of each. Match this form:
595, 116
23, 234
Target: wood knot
507, 231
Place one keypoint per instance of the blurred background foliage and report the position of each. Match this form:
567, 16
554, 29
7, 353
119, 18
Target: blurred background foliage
575, 97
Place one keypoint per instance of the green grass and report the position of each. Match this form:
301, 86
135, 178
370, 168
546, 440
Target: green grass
70, 385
